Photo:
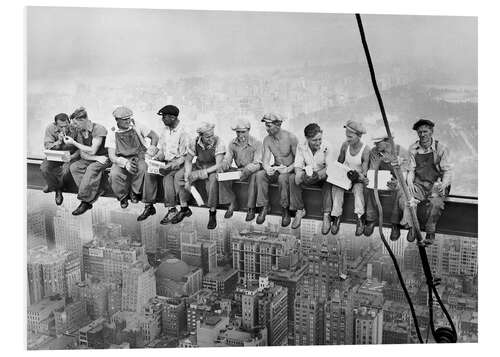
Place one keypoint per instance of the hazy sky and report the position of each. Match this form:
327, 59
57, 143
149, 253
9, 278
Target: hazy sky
100, 41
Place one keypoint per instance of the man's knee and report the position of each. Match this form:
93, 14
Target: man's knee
283, 179
260, 176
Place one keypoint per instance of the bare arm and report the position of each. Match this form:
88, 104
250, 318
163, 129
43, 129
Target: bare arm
218, 162
293, 147
154, 138
96, 143
365, 160
343, 149
266, 157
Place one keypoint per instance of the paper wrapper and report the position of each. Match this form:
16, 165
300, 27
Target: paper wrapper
229, 176
384, 177
197, 196
56, 155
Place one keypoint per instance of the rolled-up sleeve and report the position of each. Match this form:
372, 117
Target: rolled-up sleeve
50, 140
299, 158
228, 158
445, 165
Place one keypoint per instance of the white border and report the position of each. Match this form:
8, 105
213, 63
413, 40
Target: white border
13, 178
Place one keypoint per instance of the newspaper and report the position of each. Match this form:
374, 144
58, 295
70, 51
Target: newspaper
337, 175
384, 176
154, 166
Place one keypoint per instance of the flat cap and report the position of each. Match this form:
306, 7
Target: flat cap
122, 113
61, 117
380, 134
421, 122
272, 118
79, 113
204, 127
355, 127
241, 124
169, 110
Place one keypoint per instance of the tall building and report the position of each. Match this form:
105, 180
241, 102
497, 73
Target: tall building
368, 326
71, 232
41, 315
174, 317
169, 237
309, 319
37, 232
326, 266
70, 317
291, 280
51, 272
95, 295
454, 256
339, 319
148, 234
139, 285
201, 254
249, 309
221, 280
175, 278
273, 313
220, 236
256, 253
106, 260
91, 335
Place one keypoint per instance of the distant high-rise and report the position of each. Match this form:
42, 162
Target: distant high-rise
256, 253
139, 285
454, 256
148, 234
339, 319
37, 232
309, 319
368, 326
41, 315
273, 313
70, 317
173, 316
71, 232
221, 280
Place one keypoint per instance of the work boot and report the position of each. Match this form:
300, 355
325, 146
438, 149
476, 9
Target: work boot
59, 198
360, 226
172, 212
327, 221
134, 197
250, 215
335, 225
262, 215
298, 218
410, 237
395, 232
184, 212
149, 210
81, 209
369, 228
429, 238
285, 217
212, 219
124, 203
230, 210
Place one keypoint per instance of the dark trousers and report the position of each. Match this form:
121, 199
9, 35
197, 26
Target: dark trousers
211, 186
371, 210
297, 186
54, 173
263, 181
433, 206
226, 193
87, 175
171, 187
122, 181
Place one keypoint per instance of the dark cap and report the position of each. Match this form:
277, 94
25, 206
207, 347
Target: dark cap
61, 117
169, 110
421, 122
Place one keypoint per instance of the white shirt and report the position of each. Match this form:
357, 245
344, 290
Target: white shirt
305, 157
173, 142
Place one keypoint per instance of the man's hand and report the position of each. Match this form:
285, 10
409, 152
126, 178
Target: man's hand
309, 170
270, 171
198, 175
224, 166
187, 186
165, 170
440, 188
245, 173
69, 141
392, 184
102, 159
151, 151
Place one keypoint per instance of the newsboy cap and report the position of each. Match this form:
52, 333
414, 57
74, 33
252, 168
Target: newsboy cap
380, 135
79, 113
241, 124
421, 122
272, 118
204, 127
169, 110
355, 127
122, 113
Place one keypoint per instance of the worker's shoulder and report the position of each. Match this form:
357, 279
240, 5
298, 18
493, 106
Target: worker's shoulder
99, 130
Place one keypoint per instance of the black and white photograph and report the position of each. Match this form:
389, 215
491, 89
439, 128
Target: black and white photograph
217, 178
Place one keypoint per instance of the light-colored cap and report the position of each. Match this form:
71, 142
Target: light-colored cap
380, 134
355, 127
122, 113
241, 124
272, 118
